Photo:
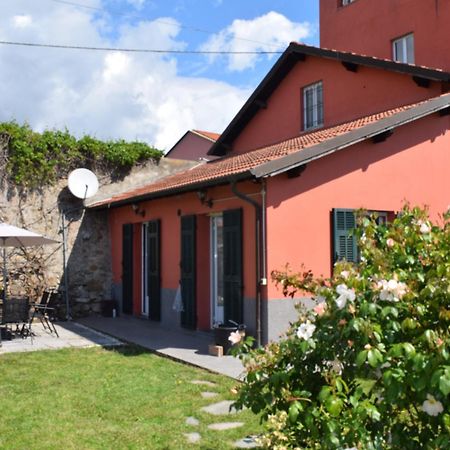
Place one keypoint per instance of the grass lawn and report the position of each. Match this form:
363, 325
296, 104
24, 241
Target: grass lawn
123, 398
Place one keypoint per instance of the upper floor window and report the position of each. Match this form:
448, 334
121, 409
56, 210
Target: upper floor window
346, 2
403, 49
312, 106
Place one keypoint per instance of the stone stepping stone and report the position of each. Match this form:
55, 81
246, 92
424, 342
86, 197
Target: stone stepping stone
193, 438
209, 394
225, 426
204, 383
220, 408
247, 442
192, 421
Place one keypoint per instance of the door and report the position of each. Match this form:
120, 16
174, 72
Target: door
188, 272
232, 266
151, 298
127, 268
217, 303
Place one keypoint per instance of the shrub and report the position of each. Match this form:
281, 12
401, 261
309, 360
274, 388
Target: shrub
36, 159
369, 366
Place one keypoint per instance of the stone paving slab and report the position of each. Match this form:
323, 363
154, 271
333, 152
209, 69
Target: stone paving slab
71, 334
225, 426
220, 408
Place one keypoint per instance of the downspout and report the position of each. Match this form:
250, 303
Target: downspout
259, 251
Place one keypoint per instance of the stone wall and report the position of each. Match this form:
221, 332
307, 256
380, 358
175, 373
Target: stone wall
88, 246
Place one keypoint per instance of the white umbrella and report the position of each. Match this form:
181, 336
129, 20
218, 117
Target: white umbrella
11, 236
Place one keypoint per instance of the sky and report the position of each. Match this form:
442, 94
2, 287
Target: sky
150, 97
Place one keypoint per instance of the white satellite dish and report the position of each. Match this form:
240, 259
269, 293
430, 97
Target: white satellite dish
82, 183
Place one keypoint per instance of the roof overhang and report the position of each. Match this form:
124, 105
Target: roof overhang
382, 127
192, 187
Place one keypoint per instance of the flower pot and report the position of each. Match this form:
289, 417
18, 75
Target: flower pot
222, 333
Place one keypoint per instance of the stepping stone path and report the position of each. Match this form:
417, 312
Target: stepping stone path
193, 438
209, 394
192, 421
225, 425
247, 442
221, 408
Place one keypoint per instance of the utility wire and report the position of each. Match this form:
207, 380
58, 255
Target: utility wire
141, 50
165, 22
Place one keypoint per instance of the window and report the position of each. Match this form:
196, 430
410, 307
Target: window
312, 106
344, 240
347, 2
403, 49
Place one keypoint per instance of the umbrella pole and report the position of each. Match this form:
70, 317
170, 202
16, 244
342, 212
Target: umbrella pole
4, 271
66, 281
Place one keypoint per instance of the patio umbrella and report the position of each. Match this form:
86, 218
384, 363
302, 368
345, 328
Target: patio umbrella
11, 236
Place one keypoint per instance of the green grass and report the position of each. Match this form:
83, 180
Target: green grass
95, 398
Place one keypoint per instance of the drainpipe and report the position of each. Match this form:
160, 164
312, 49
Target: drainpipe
259, 250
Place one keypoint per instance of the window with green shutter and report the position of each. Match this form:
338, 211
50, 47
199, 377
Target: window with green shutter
345, 248
344, 238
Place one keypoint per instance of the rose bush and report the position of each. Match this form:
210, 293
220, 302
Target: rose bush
369, 366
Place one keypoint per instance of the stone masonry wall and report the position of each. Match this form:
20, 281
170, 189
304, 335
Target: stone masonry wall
30, 270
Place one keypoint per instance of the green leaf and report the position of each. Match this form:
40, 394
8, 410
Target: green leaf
374, 357
361, 358
366, 384
444, 383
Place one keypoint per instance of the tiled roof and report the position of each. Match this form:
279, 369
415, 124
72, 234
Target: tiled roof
223, 169
208, 134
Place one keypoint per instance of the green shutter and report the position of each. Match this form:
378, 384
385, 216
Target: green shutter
154, 269
345, 248
188, 272
232, 266
127, 268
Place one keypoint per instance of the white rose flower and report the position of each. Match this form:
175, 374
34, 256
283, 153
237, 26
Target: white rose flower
432, 406
425, 228
235, 337
345, 295
306, 330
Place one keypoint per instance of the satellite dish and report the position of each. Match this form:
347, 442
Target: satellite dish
82, 183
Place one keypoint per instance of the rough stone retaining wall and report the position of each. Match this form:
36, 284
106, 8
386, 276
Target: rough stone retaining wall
89, 254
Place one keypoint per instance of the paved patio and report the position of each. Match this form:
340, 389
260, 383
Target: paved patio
71, 334
182, 345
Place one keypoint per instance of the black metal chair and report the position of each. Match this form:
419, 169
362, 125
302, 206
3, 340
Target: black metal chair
16, 311
46, 310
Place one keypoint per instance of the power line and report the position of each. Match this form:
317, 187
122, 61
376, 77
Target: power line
141, 50
164, 22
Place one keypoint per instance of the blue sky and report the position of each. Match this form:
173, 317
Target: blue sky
149, 97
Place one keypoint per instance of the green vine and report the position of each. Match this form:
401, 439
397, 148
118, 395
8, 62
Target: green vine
38, 159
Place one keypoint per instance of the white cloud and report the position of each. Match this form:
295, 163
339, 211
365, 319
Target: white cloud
270, 32
22, 21
108, 95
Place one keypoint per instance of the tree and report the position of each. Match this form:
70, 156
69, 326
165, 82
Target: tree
369, 366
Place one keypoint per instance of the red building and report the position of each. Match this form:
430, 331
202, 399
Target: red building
326, 132
193, 145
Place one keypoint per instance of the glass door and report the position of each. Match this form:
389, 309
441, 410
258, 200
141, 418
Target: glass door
217, 303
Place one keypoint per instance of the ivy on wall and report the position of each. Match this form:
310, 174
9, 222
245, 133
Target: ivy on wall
39, 159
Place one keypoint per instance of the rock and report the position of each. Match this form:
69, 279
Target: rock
247, 442
192, 421
193, 438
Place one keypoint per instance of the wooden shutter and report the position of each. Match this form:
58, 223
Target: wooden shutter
127, 268
154, 269
232, 266
344, 222
188, 272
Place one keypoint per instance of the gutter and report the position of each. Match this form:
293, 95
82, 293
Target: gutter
260, 251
